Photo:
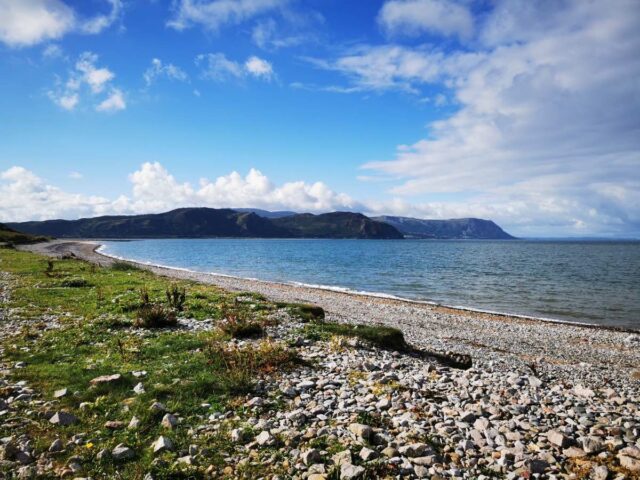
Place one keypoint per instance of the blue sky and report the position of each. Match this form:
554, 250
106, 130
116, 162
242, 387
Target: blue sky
523, 112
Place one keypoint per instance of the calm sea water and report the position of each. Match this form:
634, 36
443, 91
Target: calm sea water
586, 281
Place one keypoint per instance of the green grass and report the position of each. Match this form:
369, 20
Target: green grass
303, 311
380, 336
121, 266
185, 369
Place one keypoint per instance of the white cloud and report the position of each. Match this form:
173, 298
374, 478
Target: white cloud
28, 22
100, 22
24, 23
113, 103
259, 68
28, 197
52, 51
411, 17
95, 79
154, 189
528, 208
216, 66
548, 108
213, 14
65, 101
393, 67
75, 175
294, 28
158, 69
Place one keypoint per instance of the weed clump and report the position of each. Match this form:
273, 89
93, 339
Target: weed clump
240, 363
237, 327
154, 315
74, 282
176, 297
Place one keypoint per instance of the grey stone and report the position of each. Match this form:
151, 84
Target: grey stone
351, 472
121, 452
63, 419
363, 432
311, 457
169, 421
367, 454
162, 444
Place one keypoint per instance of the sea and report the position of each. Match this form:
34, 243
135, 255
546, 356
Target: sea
595, 282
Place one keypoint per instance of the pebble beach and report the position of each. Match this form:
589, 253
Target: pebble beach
541, 400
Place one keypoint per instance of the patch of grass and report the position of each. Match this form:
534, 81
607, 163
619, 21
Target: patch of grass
74, 282
242, 363
303, 311
185, 369
237, 327
373, 419
154, 315
381, 336
120, 266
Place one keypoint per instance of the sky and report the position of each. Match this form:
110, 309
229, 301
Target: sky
526, 113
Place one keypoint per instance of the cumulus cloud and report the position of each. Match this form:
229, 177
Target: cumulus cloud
113, 103
216, 66
528, 208
154, 189
95, 79
158, 69
548, 109
213, 14
258, 68
412, 17
25, 23
28, 197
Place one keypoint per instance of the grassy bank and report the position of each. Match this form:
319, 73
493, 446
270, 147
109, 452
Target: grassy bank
191, 373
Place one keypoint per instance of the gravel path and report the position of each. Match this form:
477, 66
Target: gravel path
570, 353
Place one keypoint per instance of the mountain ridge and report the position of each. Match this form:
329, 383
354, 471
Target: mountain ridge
203, 222
451, 229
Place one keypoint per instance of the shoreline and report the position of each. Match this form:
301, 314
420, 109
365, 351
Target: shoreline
574, 353
366, 294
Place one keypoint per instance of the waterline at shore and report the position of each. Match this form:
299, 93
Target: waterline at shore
572, 352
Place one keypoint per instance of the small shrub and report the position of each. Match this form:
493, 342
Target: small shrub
144, 297
121, 266
240, 328
154, 315
176, 297
74, 282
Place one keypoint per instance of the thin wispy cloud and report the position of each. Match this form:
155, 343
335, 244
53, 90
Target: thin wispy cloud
158, 69
413, 17
216, 66
213, 14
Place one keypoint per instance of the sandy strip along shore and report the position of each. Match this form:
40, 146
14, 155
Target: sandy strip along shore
563, 352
